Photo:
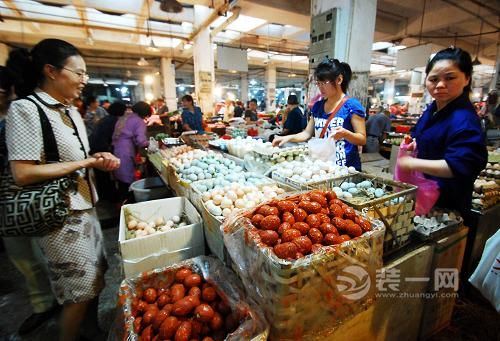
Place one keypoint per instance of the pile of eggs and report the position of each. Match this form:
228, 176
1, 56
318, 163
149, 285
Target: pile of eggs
348, 189
244, 179
208, 167
223, 201
266, 153
169, 153
310, 171
239, 146
137, 228
188, 157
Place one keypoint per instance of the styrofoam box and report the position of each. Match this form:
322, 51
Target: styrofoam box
165, 248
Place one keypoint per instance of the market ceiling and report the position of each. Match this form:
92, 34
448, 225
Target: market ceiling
114, 32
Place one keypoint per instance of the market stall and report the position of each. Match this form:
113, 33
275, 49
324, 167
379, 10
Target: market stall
290, 228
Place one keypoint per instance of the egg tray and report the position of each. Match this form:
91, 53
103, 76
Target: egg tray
450, 227
305, 299
397, 218
199, 141
301, 185
212, 224
253, 327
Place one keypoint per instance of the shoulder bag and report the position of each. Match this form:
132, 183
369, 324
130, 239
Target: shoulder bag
38, 209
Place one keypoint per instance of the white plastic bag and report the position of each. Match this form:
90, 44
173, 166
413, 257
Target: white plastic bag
153, 145
486, 278
322, 149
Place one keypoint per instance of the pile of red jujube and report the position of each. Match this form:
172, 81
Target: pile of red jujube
189, 309
296, 227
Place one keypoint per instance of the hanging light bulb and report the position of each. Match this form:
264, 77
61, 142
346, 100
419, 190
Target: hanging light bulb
142, 62
152, 47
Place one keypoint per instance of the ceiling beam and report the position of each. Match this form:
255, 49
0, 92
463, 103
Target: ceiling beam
82, 13
221, 27
13, 7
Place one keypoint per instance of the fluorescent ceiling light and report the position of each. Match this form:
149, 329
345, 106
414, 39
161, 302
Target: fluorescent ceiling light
245, 23
381, 45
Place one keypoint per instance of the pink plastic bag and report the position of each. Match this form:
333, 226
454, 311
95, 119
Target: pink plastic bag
427, 191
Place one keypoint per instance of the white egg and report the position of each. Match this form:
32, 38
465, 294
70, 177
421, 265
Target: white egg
217, 199
142, 225
176, 219
206, 196
149, 230
250, 204
240, 193
132, 225
232, 195
226, 202
159, 221
169, 223
140, 233
226, 212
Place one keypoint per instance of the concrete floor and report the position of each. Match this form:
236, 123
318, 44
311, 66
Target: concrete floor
15, 306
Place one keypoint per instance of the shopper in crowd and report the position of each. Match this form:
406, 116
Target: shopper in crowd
80, 107
251, 112
129, 136
161, 107
489, 109
347, 127
238, 109
294, 120
376, 125
23, 252
53, 74
105, 104
100, 141
93, 114
229, 110
192, 117
451, 147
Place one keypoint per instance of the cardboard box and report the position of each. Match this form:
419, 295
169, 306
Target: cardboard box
165, 248
448, 254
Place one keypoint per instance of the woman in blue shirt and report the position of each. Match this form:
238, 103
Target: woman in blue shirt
451, 147
347, 127
192, 117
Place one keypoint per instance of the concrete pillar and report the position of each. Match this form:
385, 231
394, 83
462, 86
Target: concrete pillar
203, 57
157, 85
354, 30
270, 87
244, 88
4, 53
389, 89
168, 77
416, 92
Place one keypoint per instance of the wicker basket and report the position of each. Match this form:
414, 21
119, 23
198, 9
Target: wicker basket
253, 327
397, 218
306, 299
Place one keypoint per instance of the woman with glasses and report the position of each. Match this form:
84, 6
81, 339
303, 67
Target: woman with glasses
50, 77
342, 116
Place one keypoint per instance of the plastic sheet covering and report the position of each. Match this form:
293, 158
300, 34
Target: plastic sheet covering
252, 327
308, 298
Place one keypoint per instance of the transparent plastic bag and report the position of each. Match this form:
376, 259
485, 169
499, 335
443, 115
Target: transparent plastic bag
322, 149
153, 145
427, 189
252, 324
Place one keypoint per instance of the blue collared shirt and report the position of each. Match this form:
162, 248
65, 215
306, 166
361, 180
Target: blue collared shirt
194, 120
453, 134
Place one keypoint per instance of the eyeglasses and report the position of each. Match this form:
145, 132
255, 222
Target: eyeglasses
82, 74
320, 83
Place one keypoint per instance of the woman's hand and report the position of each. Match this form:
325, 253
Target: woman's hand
280, 140
340, 133
105, 161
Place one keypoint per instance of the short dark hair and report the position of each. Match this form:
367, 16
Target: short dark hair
142, 109
331, 69
292, 100
117, 108
28, 66
460, 57
90, 100
253, 100
188, 98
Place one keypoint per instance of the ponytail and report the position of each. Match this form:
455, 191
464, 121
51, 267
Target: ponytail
331, 69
